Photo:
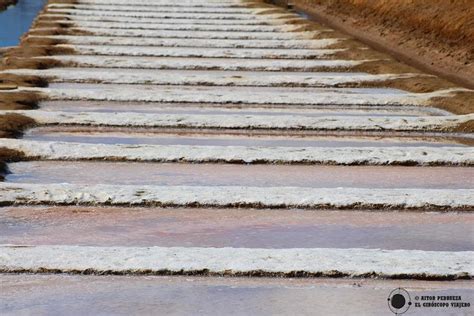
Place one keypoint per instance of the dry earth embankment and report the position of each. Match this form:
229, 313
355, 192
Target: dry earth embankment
436, 35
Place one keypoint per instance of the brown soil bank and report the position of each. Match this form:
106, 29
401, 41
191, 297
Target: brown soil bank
434, 35
5, 3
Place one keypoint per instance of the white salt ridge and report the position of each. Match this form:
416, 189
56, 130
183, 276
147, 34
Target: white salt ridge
429, 123
188, 34
176, 15
201, 52
212, 3
156, 8
353, 262
216, 78
236, 196
203, 63
192, 21
162, 25
191, 42
251, 154
246, 95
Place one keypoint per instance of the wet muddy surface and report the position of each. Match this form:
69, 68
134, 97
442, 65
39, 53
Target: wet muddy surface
240, 175
237, 228
131, 137
125, 295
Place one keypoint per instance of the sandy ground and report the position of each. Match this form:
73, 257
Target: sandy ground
435, 34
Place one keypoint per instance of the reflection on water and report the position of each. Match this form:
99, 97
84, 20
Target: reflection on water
309, 176
17, 20
237, 228
148, 295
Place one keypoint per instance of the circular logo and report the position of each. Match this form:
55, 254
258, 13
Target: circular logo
399, 301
